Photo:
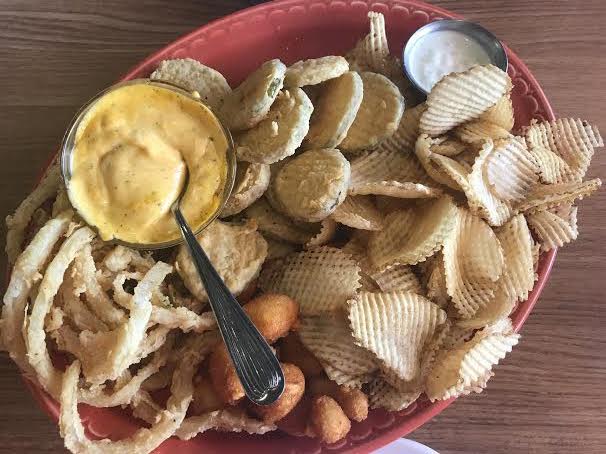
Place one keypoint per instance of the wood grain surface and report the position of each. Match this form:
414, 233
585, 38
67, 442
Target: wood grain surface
547, 397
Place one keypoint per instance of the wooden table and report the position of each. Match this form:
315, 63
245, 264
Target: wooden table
548, 396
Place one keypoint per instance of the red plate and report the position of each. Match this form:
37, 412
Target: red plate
292, 30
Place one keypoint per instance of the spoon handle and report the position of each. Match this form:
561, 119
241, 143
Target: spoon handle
255, 363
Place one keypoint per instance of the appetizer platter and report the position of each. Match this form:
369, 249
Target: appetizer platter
387, 245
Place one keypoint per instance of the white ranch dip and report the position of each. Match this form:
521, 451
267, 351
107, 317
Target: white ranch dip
442, 52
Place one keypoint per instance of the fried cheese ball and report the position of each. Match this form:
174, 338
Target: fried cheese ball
205, 397
274, 315
352, 400
293, 351
223, 376
328, 420
294, 388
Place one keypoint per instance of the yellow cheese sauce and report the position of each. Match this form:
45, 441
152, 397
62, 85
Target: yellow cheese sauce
130, 153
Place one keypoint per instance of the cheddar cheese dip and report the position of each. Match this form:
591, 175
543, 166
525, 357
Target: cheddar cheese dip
128, 163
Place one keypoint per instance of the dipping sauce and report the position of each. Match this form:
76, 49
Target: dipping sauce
130, 153
442, 52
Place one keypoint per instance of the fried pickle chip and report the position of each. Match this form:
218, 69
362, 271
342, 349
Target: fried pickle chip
554, 229
479, 192
511, 171
397, 277
312, 185
236, 251
460, 97
378, 116
315, 71
330, 339
194, 76
412, 235
359, 212
574, 140
320, 279
279, 134
278, 226
473, 261
252, 180
467, 367
549, 196
250, 102
335, 111
226, 420
404, 138
395, 326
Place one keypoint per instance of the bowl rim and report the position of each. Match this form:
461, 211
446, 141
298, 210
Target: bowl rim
68, 146
462, 26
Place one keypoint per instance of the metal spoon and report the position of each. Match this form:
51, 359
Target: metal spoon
255, 363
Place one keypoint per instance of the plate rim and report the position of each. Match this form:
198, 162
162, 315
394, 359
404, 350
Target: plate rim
547, 260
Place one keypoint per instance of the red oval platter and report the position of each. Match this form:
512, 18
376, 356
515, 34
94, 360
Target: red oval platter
292, 30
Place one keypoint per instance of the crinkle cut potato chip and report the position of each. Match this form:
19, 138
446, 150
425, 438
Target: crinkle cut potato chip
315, 71
279, 134
552, 168
501, 114
511, 171
383, 395
192, 75
552, 229
412, 235
250, 102
359, 212
404, 138
236, 251
335, 111
468, 367
330, 339
395, 326
426, 158
478, 131
386, 165
252, 180
378, 116
461, 97
328, 229
473, 261
574, 140
405, 190
480, 197
549, 196
320, 279
312, 185
397, 277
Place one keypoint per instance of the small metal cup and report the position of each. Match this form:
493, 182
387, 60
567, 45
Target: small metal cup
486, 39
69, 142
